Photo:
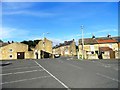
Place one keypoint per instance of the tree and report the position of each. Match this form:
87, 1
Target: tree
1, 41
8, 42
31, 43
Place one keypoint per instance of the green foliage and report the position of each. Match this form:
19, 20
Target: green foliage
1, 40
31, 43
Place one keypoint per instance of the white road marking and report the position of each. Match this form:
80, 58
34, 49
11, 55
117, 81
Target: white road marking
5, 74
74, 66
24, 80
105, 76
20, 68
71, 65
21, 72
52, 75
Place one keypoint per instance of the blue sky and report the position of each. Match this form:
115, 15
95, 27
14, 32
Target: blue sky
28, 21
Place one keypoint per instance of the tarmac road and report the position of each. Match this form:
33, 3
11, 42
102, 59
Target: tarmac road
60, 73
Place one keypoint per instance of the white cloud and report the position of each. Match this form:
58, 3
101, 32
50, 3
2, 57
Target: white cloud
16, 6
30, 13
13, 33
56, 41
23, 9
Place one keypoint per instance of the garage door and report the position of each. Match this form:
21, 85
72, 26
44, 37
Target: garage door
20, 55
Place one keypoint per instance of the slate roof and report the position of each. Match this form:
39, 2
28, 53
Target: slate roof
88, 41
63, 44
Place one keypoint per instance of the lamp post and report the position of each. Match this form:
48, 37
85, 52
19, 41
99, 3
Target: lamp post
82, 42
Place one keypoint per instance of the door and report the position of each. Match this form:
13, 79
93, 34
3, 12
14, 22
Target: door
20, 55
36, 55
112, 54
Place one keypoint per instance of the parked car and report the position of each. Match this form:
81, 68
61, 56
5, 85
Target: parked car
57, 55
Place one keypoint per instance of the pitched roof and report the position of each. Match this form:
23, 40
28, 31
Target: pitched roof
105, 49
99, 40
117, 38
64, 44
88, 41
106, 41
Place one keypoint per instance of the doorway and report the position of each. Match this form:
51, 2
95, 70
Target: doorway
20, 55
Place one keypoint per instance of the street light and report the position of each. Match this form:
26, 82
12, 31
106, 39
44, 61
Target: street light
82, 41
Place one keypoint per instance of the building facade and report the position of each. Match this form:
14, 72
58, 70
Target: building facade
43, 49
98, 48
68, 48
22, 51
15, 51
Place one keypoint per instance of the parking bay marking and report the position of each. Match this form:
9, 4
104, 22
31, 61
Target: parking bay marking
52, 75
21, 72
105, 76
20, 68
25, 80
72, 65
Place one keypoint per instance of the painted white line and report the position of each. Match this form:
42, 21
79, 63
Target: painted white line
105, 76
5, 74
28, 71
71, 65
74, 66
52, 75
25, 80
21, 72
19, 68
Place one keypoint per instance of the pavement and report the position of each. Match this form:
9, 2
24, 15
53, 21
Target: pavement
60, 73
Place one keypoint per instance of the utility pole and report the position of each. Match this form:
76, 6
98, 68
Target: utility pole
82, 42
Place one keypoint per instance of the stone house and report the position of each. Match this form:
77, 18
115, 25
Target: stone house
22, 51
98, 48
68, 48
43, 49
15, 51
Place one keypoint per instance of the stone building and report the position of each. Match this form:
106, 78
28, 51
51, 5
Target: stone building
15, 51
22, 51
43, 49
98, 48
68, 48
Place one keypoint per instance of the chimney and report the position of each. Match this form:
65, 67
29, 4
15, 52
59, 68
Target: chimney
93, 36
109, 36
65, 41
8, 42
12, 41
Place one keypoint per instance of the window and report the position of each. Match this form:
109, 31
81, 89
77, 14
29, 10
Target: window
10, 50
96, 52
102, 52
92, 52
10, 56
